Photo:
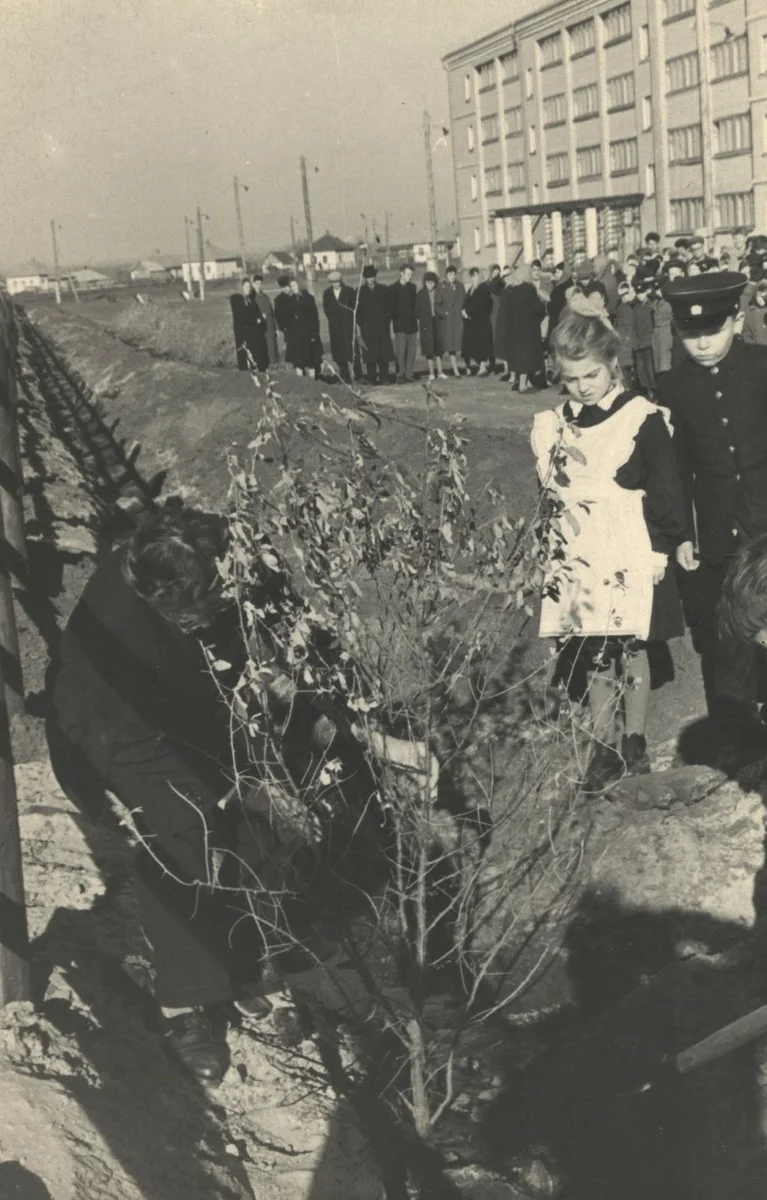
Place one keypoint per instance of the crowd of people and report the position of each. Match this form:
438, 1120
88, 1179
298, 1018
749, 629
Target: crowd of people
501, 324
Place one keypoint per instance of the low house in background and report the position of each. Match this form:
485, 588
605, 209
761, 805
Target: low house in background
156, 270
331, 254
85, 279
219, 265
277, 261
419, 253
30, 277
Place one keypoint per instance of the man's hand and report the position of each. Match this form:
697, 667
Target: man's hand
660, 562
685, 556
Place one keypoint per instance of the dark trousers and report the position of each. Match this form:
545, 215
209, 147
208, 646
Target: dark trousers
405, 346
377, 372
732, 670
206, 940
645, 369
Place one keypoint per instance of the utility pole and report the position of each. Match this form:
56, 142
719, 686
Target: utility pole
295, 247
308, 219
388, 245
240, 233
430, 185
56, 276
187, 224
201, 252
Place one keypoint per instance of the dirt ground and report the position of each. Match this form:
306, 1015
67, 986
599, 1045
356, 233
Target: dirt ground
668, 889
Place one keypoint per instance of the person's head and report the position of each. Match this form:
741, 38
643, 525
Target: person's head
171, 562
626, 292
643, 287
612, 252
547, 259
760, 295
706, 313
632, 262
283, 283
584, 271
451, 274
739, 242
578, 256
743, 600
536, 267
258, 283
697, 247
430, 281
682, 247
586, 352
295, 287
335, 279
559, 271
473, 276
405, 273
652, 240
495, 271
597, 294
675, 271
246, 287
369, 275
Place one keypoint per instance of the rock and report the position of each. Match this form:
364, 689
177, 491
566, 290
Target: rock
477, 1183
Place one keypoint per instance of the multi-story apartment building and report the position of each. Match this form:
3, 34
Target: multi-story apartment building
589, 122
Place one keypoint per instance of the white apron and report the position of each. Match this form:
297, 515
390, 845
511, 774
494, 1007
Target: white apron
605, 585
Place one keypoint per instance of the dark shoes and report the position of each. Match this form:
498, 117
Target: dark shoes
635, 756
199, 1046
606, 766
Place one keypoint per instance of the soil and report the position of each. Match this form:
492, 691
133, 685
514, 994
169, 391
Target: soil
638, 924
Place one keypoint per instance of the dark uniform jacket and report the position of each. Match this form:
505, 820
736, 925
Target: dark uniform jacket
403, 314
720, 422
340, 314
373, 320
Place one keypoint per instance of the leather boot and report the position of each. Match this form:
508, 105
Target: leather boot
195, 1042
605, 767
635, 756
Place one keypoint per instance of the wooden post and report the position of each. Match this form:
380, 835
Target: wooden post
295, 247
240, 230
388, 245
201, 253
187, 224
56, 279
15, 981
308, 219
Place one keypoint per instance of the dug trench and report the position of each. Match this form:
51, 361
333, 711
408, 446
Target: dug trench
651, 942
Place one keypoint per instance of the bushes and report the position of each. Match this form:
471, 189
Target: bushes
201, 336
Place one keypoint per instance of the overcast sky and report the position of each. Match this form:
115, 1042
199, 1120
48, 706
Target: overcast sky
120, 116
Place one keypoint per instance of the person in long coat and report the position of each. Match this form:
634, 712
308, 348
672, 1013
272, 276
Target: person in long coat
296, 313
338, 302
477, 342
264, 303
429, 325
373, 322
520, 341
449, 307
249, 327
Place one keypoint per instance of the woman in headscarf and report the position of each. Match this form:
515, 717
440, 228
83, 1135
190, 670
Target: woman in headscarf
429, 326
519, 328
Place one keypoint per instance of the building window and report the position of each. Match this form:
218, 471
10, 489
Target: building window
682, 72
486, 74
620, 91
528, 83
687, 214
646, 113
582, 38
493, 181
649, 179
763, 66
617, 23
588, 162
514, 231
490, 129
516, 177
644, 42
673, 9
470, 137
550, 49
532, 140
732, 134
474, 188
729, 58
467, 88
586, 101
684, 144
510, 66
513, 120
477, 239
623, 156
557, 169
490, 232
555, 110
734, 209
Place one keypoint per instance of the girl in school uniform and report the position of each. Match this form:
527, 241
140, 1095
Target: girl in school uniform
606, 455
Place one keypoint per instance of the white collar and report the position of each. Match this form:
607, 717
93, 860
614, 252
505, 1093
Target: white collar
605, 403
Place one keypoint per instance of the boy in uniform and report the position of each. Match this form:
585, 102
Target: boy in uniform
718, 401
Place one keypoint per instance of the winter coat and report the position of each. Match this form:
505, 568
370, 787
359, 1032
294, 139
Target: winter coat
477, 342
518, 341
663, 336
249, 326
625, 327
402, 301
298, 319
428, 324
754, 328
373, 320
557, 302
449, 305
645, 326
339, 311
267, 309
